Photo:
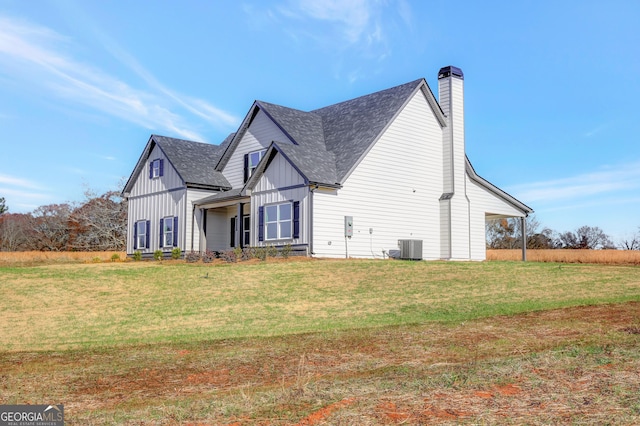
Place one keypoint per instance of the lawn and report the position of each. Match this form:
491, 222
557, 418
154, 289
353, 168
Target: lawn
343, 342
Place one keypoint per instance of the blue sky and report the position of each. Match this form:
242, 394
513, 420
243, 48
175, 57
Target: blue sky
552, 89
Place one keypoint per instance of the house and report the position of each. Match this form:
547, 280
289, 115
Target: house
354, 179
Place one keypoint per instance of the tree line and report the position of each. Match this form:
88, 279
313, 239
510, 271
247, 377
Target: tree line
98, 223
507, 234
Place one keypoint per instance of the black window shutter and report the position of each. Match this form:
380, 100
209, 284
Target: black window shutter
233, 232
261, 223
151, 170
135, 235
246, 167
161, 233
175, 231
161, 167
148, 235
296, 219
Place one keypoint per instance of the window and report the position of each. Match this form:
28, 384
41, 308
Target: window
141, 234
278, 221
246, 230
251, 161
156, 168
169, 232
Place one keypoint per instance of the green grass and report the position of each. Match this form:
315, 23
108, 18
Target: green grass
57, 307
323, 342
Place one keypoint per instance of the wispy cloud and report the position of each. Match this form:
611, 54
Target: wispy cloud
21, 194
621, 178
345, 26
37, 54
596, 130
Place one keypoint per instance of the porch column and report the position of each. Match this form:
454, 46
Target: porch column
203, 231
240, 225
523, 227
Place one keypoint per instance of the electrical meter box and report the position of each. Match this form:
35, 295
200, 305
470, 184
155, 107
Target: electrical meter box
348, 226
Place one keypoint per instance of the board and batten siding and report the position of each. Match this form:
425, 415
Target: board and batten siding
259, 135
280, 182
153, 207
169, 180
392, 194
153, 199
484, 203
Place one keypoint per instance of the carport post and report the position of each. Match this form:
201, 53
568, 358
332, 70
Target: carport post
523, 222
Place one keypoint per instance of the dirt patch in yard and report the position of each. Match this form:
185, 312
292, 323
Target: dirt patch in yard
568, 365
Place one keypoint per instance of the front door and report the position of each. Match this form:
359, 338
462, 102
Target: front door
245, 231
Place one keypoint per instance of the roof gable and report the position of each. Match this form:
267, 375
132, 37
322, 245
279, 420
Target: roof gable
331, 141
193, 161
353, 126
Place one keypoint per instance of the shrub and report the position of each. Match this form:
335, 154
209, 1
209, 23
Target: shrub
137, 255
115, 257
208, 256
228, 256
259, 253
285, 251
272, 251
192, 257
247, 253
237, 251
96, 259
176, 253
157, 255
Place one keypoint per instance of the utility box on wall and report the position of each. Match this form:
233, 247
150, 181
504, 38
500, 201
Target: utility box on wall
348, 226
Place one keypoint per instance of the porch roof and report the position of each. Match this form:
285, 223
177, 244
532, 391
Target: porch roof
222, 197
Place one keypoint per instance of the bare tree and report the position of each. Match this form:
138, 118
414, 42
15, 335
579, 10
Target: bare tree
586, 237
100, 223
14, 231
506, 233
50, 228
632, 242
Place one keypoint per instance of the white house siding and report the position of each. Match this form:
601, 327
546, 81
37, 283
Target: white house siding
154, 207
259, 135
170, 179
483, 203
219, 227
269, 189
153, 199
193, 228
394, 191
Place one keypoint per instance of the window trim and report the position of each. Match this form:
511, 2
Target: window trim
249, 166
278, 221
141, 237
155, 168
163, 233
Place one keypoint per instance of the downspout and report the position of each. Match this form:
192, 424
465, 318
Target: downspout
193, 221
311, 191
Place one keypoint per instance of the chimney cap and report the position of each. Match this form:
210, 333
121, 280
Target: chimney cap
450, 71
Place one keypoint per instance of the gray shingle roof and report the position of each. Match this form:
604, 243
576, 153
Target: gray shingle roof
316, 164
328, 142
194, 161
332, 140
351, 127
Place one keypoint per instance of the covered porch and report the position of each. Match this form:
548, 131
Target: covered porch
226, 221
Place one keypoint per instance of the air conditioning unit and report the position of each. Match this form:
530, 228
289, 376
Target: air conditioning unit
410, 249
